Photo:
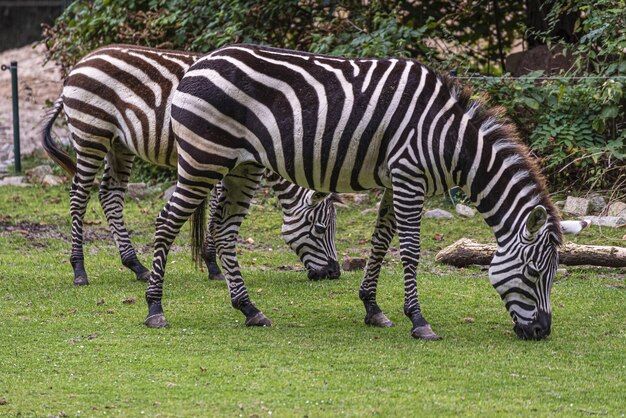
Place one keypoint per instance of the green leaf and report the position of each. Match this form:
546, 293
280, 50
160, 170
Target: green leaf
609, 112
530, 102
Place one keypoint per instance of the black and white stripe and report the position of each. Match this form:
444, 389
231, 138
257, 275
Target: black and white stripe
338, 125
117, 103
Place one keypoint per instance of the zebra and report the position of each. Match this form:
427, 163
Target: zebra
336, 124
116, 101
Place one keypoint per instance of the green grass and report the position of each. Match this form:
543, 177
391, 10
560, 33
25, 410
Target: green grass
68, 351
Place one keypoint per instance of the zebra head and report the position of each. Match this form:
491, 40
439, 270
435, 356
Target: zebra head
523, 272
309, 230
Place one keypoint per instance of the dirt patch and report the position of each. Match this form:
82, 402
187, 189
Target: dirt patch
36, 85
37, 233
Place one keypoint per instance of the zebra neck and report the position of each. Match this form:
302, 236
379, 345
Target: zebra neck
504, 188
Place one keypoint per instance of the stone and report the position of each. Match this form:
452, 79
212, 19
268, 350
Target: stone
607, 221
369, 211
464, 210
36, 174
438, 214
52, 180
576, 206
359, 198
168, 193
19, 181
597, 203
617, 209
353, 264
138, 190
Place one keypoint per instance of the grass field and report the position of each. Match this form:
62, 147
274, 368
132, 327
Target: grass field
70, 351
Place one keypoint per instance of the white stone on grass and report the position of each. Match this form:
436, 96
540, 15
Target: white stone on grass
465, 210
438, 214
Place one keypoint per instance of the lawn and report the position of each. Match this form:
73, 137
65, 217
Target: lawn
84, 351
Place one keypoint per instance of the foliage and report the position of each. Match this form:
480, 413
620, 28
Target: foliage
571, 127
577, 124
349, 27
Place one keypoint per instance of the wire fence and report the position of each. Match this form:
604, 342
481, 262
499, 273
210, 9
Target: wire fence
530, 78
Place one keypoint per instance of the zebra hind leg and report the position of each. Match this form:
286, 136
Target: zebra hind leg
117, 168
382, 236
408, 204
186, 199
209, 253
89, 156
238, 188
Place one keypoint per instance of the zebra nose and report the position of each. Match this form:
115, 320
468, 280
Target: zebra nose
542, 324
333, 271
316, 274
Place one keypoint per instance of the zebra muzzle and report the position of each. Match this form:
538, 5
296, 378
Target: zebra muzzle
538, 329
330, 271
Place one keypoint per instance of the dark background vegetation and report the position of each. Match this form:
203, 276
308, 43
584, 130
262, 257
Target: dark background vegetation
566, 56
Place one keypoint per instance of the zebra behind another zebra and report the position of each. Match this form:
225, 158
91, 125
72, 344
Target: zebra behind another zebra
117, 102
339, 125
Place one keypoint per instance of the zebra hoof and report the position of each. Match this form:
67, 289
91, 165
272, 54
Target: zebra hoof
378, 320
156, 321
216, 276
425, 333
258, 320
143, 276
81, 281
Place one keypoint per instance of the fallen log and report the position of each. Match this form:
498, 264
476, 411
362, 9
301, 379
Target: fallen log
466, 252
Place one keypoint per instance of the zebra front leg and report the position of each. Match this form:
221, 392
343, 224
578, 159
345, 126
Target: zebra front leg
117, 168
382, 236
408, 202
184, 201
88, 162
237, 190
209, 254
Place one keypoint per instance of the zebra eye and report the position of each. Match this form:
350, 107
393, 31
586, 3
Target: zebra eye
319, 229
532, 273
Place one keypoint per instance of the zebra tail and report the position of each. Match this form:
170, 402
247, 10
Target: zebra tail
198, 226
49, 145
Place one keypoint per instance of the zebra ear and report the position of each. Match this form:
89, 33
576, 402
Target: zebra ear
536, 219
337, 200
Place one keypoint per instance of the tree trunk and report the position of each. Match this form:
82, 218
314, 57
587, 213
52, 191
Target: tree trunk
465, 252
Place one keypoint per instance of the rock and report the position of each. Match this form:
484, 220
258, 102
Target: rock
438, 214
369, 211
353, 264
359, 198
138, 190
168, 193
608, 221
52, 180
576, 206
617, 209
464, 210
597, 204
36, 175
14, 181
4, 168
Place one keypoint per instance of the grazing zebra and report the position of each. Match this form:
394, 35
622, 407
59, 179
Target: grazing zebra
117, 102
339, 125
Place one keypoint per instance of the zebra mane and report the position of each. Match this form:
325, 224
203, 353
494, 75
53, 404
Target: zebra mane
500, 132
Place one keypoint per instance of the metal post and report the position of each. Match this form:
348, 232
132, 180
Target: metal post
16, 116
